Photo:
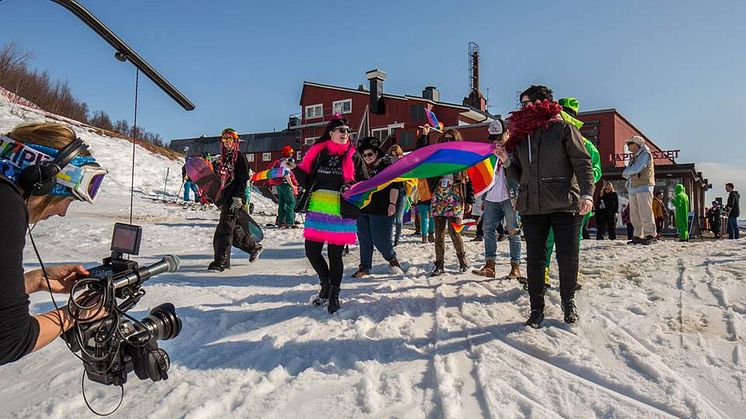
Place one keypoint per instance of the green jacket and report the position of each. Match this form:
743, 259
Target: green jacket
681, 202
592, 150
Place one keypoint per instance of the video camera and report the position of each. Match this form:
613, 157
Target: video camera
117, 344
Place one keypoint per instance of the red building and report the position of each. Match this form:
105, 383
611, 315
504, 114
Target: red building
388, 114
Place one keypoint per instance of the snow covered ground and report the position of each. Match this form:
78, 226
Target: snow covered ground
661, 330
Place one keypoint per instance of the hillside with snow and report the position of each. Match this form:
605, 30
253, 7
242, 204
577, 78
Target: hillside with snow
661, 332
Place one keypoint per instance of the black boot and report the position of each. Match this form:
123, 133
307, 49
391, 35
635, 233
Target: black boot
535, 319
323, 297
463, 266
333, 300
216, 266
438, 271
255, 252
570, 310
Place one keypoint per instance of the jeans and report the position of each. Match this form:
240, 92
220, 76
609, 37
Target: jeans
733, 232
190, 186
427, 224
566, 228
493, 215
399, 217
374, 230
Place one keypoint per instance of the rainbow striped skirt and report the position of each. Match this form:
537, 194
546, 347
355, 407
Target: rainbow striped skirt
324, 224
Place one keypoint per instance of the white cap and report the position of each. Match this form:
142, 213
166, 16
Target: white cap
635, 139
497, 127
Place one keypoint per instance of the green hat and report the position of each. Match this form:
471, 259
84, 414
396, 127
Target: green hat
570, 103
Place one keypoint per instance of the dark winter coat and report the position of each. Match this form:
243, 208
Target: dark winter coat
553, 170
18, 329
379, 202
733, 204
237, 186
607, 206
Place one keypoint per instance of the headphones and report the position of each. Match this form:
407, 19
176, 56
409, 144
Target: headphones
40, 179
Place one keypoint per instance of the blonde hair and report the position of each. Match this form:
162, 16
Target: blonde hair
396, 150
50, 135
455, 134
603, 190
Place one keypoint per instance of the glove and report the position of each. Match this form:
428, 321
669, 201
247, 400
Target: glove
237, 203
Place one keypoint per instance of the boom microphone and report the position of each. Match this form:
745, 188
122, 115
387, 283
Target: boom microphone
169, 263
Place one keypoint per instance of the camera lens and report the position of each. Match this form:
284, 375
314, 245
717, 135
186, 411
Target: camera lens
163, 322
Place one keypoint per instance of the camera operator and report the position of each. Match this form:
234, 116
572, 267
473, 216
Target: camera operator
23, 203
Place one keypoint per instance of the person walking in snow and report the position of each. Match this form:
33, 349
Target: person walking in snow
328, 168
376, 220
681, 203
232, 226
287, 190
498, 206
452, 197
733, 209
640, 175
188, 184
547, 157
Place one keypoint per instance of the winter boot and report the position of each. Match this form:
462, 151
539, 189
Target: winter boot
570, 310
515, 270
535, 319
463, 266
255, 252
323, 297
424, 239
361, 272
394, 266
431, 237
488, 270
333, 300
216, 266
438, 271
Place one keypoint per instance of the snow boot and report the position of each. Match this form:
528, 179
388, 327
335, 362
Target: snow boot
394, 266
535, 319
463, 266
323, 297
570, 310
361, 272
515, 271
488, 270
431, 237
255, 252
215, 266
424, 239
333, 300
438, 271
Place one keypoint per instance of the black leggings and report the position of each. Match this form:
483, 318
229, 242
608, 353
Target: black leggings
332, 271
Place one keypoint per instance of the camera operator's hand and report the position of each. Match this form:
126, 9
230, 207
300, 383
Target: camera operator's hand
237, 203
61, 278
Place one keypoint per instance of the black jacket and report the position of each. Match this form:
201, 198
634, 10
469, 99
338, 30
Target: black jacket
18, 329
237, 186
553, 170
733, 205
607, 205
379, 202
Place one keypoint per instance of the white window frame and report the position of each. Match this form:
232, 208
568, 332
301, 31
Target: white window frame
297, 155
309, 140
319, 106
250, 157
266, 156
341, 103
375, 131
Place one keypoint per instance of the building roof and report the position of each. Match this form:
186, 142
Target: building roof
260, 142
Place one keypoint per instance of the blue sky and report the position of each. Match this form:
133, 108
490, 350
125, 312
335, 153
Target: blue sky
673, 68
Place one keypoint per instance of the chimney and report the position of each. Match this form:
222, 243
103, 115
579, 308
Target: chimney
376, 78
431, 93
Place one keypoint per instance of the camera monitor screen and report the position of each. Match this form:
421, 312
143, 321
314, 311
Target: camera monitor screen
126, 238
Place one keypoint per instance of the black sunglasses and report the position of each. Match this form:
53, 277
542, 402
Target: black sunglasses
342, 130
369, 154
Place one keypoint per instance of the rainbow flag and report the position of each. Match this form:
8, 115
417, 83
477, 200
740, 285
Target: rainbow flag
431, 161
482, 175
432, 119
464, 225
277, 172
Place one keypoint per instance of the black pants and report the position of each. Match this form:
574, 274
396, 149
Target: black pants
231, 231
566, 228
604, 224
480, 231
331, 272
630, 232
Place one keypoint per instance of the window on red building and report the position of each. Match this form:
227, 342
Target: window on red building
342, 106
314, 111
417, 112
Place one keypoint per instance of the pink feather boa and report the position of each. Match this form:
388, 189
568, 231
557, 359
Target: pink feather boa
348, 166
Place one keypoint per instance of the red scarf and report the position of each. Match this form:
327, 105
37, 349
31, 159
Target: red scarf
526, 120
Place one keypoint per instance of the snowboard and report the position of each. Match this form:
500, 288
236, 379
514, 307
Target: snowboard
208, 184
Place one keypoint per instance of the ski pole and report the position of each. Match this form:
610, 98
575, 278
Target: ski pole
168, 169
